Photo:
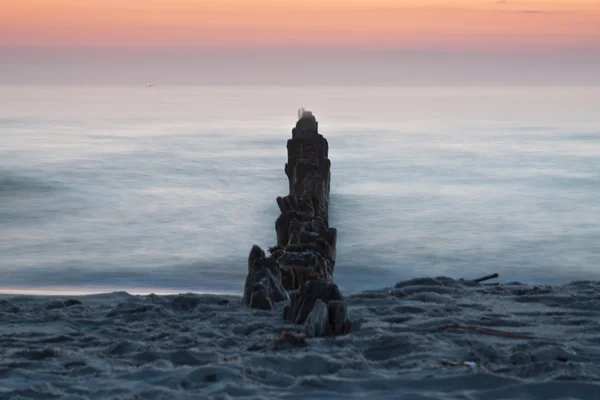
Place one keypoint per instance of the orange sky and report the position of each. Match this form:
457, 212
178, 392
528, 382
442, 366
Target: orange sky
413, 24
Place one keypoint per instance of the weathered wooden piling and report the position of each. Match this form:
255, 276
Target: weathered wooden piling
303, 261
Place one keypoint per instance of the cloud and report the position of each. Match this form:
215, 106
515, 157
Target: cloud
516, 3
527, 12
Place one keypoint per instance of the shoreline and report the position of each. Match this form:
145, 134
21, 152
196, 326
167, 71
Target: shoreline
94, 291
61, 291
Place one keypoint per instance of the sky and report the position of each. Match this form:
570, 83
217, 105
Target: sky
294, 41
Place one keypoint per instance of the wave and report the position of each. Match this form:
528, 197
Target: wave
219, 276
12, 183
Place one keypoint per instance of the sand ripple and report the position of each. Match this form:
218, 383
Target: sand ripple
424, 339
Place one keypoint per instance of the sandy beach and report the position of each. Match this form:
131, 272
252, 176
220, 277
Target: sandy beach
431, 338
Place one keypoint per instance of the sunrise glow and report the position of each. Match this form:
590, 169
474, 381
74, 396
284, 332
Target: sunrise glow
406, 24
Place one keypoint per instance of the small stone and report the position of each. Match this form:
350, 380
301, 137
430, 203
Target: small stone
292, 339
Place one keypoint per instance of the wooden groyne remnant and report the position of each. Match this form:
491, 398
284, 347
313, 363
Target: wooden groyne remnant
300, 267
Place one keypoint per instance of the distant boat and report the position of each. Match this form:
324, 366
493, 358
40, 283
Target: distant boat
150, 84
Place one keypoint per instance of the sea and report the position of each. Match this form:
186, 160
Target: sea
165, 189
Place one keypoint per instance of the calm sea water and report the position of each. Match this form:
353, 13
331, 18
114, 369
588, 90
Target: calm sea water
167, 188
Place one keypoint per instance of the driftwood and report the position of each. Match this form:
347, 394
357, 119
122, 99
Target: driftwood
486, 278
303, 260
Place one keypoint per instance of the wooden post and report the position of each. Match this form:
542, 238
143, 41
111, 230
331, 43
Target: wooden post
303, 260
